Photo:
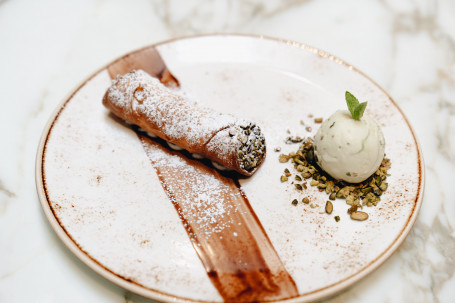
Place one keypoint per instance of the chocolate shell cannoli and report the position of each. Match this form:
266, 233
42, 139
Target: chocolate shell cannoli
141, 99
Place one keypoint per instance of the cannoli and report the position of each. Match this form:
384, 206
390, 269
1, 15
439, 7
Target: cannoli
141, 99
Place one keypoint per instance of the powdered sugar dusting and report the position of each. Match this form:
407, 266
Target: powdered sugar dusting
106, 194
171, 113
141, 99
202, 197
232, 245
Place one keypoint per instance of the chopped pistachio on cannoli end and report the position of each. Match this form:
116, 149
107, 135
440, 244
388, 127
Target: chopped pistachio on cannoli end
251, 149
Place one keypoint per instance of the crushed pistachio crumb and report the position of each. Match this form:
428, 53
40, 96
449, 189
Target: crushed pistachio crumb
337, 218
287, 173
367, 193
328, 207
352, 209
294, 202
359, 215
291, 140
284, 158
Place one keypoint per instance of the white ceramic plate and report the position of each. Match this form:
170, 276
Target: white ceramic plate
103, 198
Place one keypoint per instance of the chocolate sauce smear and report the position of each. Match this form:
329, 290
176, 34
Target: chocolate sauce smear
147, 59
225, 232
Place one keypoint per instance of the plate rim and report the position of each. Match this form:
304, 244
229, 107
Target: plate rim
154, 294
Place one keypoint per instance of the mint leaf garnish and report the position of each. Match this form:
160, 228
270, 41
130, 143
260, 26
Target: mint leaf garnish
358, 111
351, 101
355, 108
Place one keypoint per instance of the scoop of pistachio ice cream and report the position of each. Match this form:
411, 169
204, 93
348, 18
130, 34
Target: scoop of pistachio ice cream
348, 149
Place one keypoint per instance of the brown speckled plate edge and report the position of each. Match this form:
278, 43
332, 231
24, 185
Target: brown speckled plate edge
315, 295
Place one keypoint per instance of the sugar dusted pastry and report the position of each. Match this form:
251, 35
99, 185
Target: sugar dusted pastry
141, 99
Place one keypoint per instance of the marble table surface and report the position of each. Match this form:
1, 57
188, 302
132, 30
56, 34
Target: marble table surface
48, 47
